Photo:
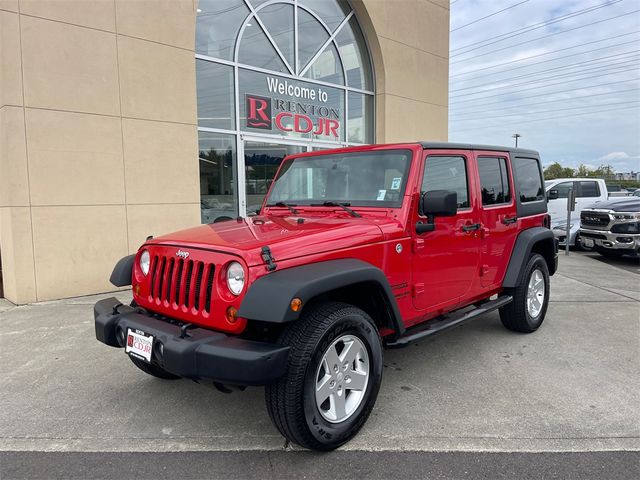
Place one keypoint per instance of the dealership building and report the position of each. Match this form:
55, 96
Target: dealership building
121, 119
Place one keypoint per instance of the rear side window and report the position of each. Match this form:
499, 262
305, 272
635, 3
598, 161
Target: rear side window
588, 189
529, 179
494, 180
447, 173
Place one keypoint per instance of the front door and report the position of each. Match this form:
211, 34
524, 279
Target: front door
445, 262
498, 216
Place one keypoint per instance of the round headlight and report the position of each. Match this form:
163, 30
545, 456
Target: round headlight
235, 278
145, 262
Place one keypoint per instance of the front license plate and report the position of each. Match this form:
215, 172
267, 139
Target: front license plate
139, 344
587, 242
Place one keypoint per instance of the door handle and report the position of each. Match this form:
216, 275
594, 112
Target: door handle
509, 221
471, 227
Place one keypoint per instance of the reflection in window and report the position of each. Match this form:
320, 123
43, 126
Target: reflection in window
494, 180
360, 179
217, 26
529, 179
360, 118
217, 153
278, 20
353, 51
447, 173
563, 189
261, 164
214, 81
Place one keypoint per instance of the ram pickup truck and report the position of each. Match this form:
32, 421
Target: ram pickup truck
612, 228
588, 191
353, 250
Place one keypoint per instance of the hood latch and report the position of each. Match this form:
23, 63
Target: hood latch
267, 257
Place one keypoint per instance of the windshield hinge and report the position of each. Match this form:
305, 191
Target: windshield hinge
267, 257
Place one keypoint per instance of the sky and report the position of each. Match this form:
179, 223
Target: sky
564, 74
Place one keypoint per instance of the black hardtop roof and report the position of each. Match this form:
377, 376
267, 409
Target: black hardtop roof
475, 146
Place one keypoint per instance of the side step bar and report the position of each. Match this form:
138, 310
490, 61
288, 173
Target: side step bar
433, 327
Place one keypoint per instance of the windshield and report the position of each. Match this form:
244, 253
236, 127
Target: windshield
359, 179
548, 183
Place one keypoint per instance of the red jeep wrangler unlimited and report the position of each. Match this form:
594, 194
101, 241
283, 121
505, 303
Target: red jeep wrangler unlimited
354, 249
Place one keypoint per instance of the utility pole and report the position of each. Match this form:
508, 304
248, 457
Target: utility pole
516, 136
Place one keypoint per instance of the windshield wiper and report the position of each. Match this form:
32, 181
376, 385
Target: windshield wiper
286, 205
344, 206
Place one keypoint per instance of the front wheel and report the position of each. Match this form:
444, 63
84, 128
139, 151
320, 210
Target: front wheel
333, 377
530, 299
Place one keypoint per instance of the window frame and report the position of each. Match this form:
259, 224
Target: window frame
509, 180
465, 161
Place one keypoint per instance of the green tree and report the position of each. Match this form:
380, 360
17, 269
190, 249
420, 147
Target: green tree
555, 170
583, 171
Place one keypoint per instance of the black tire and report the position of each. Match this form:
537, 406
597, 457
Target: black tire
515, 316
291, 401
153, 370
609, 253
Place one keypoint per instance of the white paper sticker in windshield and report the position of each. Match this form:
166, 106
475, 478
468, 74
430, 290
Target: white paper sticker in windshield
381, 194
395, 183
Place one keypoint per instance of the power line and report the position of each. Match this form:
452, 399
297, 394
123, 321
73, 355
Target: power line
547, 119
541, 94
549, 85
557, 100
544, 36
549, 69
521, 114
530, 28
499, 83
468, 72
487, 16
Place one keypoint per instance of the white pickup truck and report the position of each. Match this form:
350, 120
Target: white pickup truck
588, 191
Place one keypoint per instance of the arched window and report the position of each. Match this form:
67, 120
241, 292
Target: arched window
290, 74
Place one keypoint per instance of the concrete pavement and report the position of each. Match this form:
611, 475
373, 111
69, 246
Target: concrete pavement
570, 387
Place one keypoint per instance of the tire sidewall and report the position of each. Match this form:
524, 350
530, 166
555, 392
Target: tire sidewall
335, 434
537, 262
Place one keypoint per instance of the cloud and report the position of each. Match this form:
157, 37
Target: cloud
613, 156
576, 99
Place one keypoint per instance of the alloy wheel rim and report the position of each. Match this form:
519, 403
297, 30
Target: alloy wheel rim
535, 293
341, 378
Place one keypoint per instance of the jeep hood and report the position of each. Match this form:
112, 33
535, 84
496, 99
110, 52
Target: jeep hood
287, 237
623, 204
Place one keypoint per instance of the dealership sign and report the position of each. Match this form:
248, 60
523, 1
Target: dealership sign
293, 108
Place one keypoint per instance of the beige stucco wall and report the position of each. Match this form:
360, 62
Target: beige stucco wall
98, 139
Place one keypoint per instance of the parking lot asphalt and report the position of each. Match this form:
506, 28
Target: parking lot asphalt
570, 387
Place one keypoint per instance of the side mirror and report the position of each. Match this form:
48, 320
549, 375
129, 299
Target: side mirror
441, 203
552, 194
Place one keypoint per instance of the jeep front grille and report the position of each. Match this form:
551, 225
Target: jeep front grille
597, 220
181, 283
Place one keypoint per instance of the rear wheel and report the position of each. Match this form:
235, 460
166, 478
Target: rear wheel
153, 370
530, 299
333, 377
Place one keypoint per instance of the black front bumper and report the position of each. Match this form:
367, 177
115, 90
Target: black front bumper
201, 354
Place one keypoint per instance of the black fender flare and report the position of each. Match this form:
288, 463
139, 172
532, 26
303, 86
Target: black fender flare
525, 243
122, 272
269, 298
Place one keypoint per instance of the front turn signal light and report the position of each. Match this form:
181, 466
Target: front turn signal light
296, 304
232, 314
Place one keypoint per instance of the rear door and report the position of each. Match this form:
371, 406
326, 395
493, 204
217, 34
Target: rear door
497, 215
445, 260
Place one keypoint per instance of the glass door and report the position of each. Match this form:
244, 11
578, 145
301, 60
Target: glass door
261, 161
